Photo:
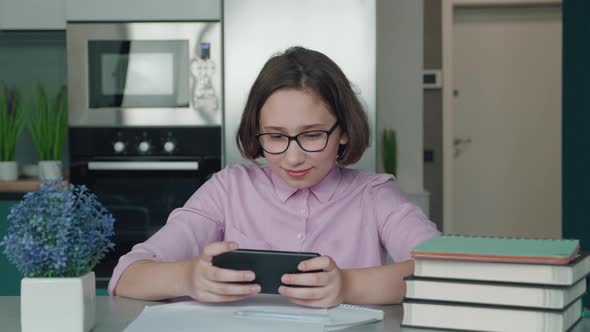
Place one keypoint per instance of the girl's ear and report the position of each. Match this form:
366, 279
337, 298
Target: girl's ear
343, 140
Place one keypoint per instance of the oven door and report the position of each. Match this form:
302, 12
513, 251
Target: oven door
138, 73
140, 195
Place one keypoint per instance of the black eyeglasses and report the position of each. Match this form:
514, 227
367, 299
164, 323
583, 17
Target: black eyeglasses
310, 141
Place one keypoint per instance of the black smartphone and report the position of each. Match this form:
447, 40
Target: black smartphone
268, 265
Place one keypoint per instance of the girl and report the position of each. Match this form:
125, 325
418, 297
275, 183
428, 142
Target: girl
304, 118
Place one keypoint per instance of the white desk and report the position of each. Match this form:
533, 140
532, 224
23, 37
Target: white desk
113, 314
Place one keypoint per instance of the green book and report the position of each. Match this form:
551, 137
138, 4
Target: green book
498, 249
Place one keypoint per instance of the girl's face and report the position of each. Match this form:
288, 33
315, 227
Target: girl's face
290, 112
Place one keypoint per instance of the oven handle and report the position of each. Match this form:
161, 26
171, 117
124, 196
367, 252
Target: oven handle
143, 165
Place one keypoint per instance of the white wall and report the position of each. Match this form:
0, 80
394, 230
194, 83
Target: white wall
256, 29
399, 86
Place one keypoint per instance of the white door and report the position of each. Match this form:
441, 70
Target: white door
506, 119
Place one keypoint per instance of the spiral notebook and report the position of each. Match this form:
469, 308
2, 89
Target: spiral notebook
498, 249
266, 312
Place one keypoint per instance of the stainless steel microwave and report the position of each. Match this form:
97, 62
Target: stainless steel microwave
144, 74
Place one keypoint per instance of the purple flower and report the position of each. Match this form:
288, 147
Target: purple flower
59, 231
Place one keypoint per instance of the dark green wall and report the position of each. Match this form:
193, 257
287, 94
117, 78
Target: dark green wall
576, 122
27, 58
9, 276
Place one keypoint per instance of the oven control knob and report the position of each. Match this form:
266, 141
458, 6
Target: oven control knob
144, 147
119, 147
169, 147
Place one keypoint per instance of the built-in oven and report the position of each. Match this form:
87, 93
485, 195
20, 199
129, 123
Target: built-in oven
144, 114
141, 187
144, 73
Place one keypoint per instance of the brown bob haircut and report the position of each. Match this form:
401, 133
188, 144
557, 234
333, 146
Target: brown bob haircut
303, 69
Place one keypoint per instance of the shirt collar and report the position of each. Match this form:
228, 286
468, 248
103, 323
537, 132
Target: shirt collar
323, 190
282, 189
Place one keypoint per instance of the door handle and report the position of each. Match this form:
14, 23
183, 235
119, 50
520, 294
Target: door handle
143, 165
460, 141
459, 145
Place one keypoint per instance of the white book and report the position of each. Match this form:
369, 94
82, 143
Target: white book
508, 294
544, 274
263, 312
581, 326
441, 315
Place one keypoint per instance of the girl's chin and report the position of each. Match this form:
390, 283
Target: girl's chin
297, 182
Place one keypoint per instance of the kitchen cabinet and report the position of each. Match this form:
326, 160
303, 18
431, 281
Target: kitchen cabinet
143, 10
32, 15
9, 275
53, 14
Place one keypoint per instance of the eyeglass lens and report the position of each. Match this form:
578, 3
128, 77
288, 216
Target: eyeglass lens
311, 141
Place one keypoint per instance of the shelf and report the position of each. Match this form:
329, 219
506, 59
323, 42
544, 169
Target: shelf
21, 186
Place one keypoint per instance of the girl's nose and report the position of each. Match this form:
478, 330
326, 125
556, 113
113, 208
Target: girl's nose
294, 154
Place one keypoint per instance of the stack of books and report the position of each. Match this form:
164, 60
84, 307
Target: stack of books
496, 284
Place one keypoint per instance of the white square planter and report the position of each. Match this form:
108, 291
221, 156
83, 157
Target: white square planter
8, 171
50, 169
58, 304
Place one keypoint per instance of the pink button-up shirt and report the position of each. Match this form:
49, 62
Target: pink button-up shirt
356, 217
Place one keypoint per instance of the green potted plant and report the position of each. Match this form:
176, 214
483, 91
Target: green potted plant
55, 237
389, 151
48, 123
11, 127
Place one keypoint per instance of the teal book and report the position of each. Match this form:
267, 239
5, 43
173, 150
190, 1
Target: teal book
498, 249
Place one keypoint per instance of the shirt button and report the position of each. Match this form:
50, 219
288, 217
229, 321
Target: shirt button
299, 236
302, 211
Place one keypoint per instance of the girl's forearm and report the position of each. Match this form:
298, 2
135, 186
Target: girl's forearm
377, 285
152, 280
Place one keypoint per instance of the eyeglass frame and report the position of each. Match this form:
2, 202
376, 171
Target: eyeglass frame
295, 138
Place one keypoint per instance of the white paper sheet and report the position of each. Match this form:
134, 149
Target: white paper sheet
195, 316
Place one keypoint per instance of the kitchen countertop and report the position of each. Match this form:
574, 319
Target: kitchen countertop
14, 190
22, 185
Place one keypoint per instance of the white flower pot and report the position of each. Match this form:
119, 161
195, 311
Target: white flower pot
8, 171
58, 304
50, 169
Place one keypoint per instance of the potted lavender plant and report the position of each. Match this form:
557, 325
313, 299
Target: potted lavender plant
48, 123
11, 127
55, 237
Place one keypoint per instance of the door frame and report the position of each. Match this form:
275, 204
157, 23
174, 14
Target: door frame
447, 12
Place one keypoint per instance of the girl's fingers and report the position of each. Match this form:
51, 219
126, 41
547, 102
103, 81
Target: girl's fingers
232, 289
217, 248
324, 263
303, 293
214, 273
307, 279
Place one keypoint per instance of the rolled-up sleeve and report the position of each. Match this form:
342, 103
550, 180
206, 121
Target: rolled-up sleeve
188, 229
402, 224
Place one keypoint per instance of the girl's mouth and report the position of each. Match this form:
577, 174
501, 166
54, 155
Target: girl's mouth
298, 174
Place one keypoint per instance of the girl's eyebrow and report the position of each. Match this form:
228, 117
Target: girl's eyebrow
302, 128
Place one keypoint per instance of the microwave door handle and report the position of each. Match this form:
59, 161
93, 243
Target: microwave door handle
143, 165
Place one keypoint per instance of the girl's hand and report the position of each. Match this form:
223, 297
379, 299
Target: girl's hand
208, 283
327, 286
